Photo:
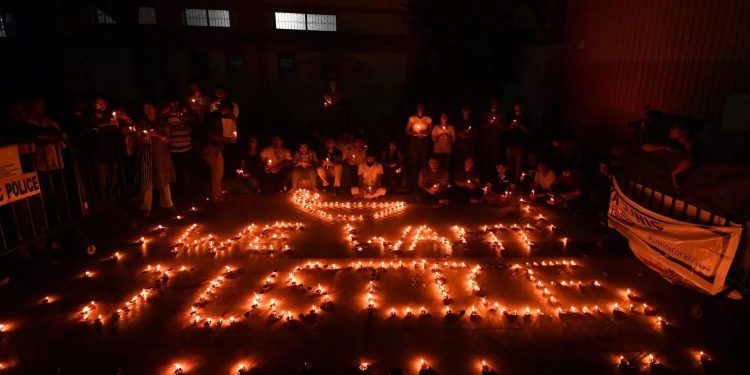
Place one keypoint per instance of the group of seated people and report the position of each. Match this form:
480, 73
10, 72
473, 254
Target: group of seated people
350, 165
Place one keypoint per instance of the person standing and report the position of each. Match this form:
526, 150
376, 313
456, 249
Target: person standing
154, 167
216, 137
418, 128
180, 142
466, 135
443, 136
489, 135
516, 134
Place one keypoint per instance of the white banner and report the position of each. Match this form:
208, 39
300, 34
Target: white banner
696, 255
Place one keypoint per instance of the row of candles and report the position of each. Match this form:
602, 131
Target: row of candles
294, 281
130, 306
311, 203
268, 238
424, 367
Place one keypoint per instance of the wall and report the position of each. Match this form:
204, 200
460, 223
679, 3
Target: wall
622, 56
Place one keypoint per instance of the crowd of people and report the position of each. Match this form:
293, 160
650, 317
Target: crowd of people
179, 150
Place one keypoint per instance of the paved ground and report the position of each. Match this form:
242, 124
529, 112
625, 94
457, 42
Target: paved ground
159, 327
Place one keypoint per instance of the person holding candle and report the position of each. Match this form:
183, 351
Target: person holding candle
251, 165
568, 187
544, 179
466, 135
433, 183
467, 186
220, 93
330, 165
392, 160
179, 133
516, 133
197, 103
443, 136
154, 167
499, 189
304, 164
489, 138
354, 155
278, 160
216, 137
418, 128
369, 173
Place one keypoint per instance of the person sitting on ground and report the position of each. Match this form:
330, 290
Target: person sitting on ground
433, 183
305, 162
499, 189
544, 179
354, 154
567, 188
251, 165
468, 187
682, 141
370, 174
393, 167
330, 165
278, 160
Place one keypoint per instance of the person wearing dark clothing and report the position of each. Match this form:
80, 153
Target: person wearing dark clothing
490, 124
393, 167
433, 183
500, 187
466, 134
467, 185
251, 165
681, 141
516, 136
330, 165
568, 187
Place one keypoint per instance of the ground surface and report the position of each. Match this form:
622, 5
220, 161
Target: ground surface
158, 328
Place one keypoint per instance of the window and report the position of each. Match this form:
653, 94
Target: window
287, 67
290, 21
147, 16
3, 29
218, 18
103, 18
321, 22
302, 21
207, 17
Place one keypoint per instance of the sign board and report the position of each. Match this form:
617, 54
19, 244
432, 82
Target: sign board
695, 255
18, 187
10, 163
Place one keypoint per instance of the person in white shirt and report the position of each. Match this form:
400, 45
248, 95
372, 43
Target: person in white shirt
419, 129
278, 162
370, 174
220, 93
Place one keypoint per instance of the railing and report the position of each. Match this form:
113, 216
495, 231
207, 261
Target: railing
682, 210
78, 177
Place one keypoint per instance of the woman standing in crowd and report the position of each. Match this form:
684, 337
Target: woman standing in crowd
418, 128
443, 136
153, 163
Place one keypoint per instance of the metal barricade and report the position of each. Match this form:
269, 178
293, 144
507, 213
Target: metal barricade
78, 177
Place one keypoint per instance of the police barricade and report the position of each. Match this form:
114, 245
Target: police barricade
48, 187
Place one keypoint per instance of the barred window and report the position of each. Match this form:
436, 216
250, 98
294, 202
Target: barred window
290, 21
321, 22
218, 18
196, 17
147, 16
302, 21
104, 18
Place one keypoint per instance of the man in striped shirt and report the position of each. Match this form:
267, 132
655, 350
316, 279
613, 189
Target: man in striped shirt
179, 139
